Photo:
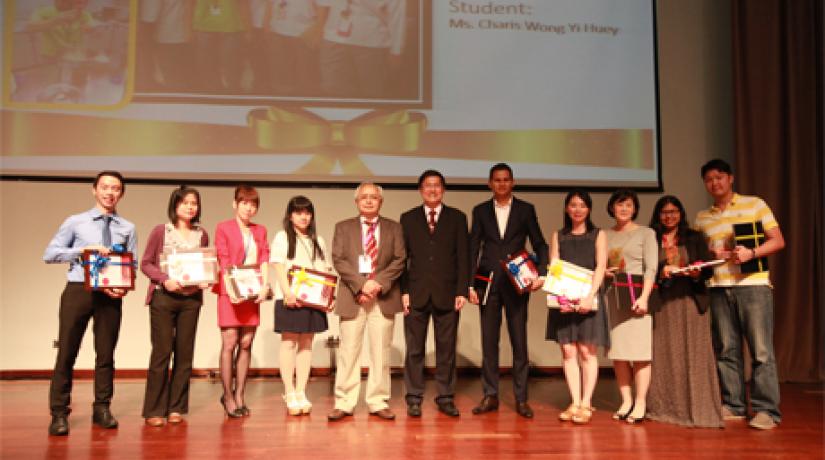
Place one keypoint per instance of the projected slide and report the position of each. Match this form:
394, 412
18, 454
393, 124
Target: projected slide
332, 91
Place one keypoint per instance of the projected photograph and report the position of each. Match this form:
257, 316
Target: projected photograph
334, 92
341, 52
67, 52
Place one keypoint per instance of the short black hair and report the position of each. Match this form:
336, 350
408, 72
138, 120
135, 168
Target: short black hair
717, 164
501, 167
177, 197
431, 173
621, 195
114, 174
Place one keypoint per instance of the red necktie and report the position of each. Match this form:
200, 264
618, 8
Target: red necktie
432, 221
371, 246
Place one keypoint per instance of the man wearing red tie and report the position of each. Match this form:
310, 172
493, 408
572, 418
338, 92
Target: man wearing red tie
368, 254
434, 285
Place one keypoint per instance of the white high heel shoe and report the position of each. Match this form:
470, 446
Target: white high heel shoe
293, 407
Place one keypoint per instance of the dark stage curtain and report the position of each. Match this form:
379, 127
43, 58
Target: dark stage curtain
778, 119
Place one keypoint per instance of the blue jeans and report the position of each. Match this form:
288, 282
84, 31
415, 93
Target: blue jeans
737, 313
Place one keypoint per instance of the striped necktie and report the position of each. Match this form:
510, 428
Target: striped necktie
371, 245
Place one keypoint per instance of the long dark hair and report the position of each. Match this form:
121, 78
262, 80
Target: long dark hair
656, 222
297, 204
568, 222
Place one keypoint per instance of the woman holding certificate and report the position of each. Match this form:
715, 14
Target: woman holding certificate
684, 386
242, 249
580, 326
297, 247
631, 265
174, 306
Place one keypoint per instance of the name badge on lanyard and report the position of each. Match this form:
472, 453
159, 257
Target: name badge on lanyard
364, 264
345, 22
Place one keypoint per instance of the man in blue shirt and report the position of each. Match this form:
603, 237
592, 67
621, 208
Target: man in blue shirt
98, 229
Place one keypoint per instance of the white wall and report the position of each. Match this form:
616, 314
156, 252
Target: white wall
694, 67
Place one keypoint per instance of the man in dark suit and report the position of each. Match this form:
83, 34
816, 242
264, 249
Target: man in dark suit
434, 285
368, 254
500, 228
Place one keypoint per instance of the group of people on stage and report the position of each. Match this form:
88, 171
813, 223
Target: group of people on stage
662, 345
334, 48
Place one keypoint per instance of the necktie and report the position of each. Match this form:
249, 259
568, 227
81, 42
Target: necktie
107, 233
371, 246
431, 221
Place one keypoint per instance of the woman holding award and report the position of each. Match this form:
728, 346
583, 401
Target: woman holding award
174, 306
684, 387
580, 326
297, 246
239, 242
632, 262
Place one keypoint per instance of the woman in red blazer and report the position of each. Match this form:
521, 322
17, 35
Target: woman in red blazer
239, 242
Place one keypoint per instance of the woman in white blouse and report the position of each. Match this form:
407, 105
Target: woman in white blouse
297, 245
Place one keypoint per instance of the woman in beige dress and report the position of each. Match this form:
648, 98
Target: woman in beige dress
631, 249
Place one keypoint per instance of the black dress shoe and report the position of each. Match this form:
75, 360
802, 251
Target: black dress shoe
523, 409
103, 418
414, 409
384, 413
488, 404
59, 425
448, 408
337, 414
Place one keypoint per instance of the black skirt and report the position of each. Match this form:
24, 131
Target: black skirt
299, 320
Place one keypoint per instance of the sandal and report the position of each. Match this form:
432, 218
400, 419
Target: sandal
569, 413
584, 415
293, 407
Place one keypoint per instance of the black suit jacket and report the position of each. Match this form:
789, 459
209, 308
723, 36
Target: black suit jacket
438, 265
697, 249
489, 248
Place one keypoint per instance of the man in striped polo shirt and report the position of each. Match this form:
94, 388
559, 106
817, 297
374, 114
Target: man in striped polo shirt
741, 303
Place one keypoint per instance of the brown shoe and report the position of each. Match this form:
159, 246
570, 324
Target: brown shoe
728, 414
156, 421
569, 413
337, 414
175, 417
488, 404
384, 413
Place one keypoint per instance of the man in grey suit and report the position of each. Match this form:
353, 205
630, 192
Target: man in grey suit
368, 254
435, 285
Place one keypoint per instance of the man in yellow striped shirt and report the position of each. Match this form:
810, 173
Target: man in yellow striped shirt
741, 303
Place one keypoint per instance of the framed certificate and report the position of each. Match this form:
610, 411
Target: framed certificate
520, 270
244, 282
627, 288
191, 267
566, 283
117, 270
751, 235
313, 288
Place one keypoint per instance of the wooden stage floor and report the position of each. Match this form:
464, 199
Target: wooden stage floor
270, 433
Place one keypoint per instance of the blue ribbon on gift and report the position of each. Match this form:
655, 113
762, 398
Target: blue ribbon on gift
101, 261
514, 268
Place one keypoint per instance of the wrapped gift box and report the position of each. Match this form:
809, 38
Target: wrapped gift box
482, 282
312, 288
751, 235
520, 270
567, 283
191, 267
117, 270
244, 282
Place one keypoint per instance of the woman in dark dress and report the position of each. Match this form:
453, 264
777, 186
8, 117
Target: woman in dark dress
580, 329
684, 387
297, 244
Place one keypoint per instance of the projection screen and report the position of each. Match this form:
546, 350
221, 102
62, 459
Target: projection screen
332, 91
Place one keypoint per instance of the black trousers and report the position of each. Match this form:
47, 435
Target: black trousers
445, 330
515, 309
174, 323
77, 307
